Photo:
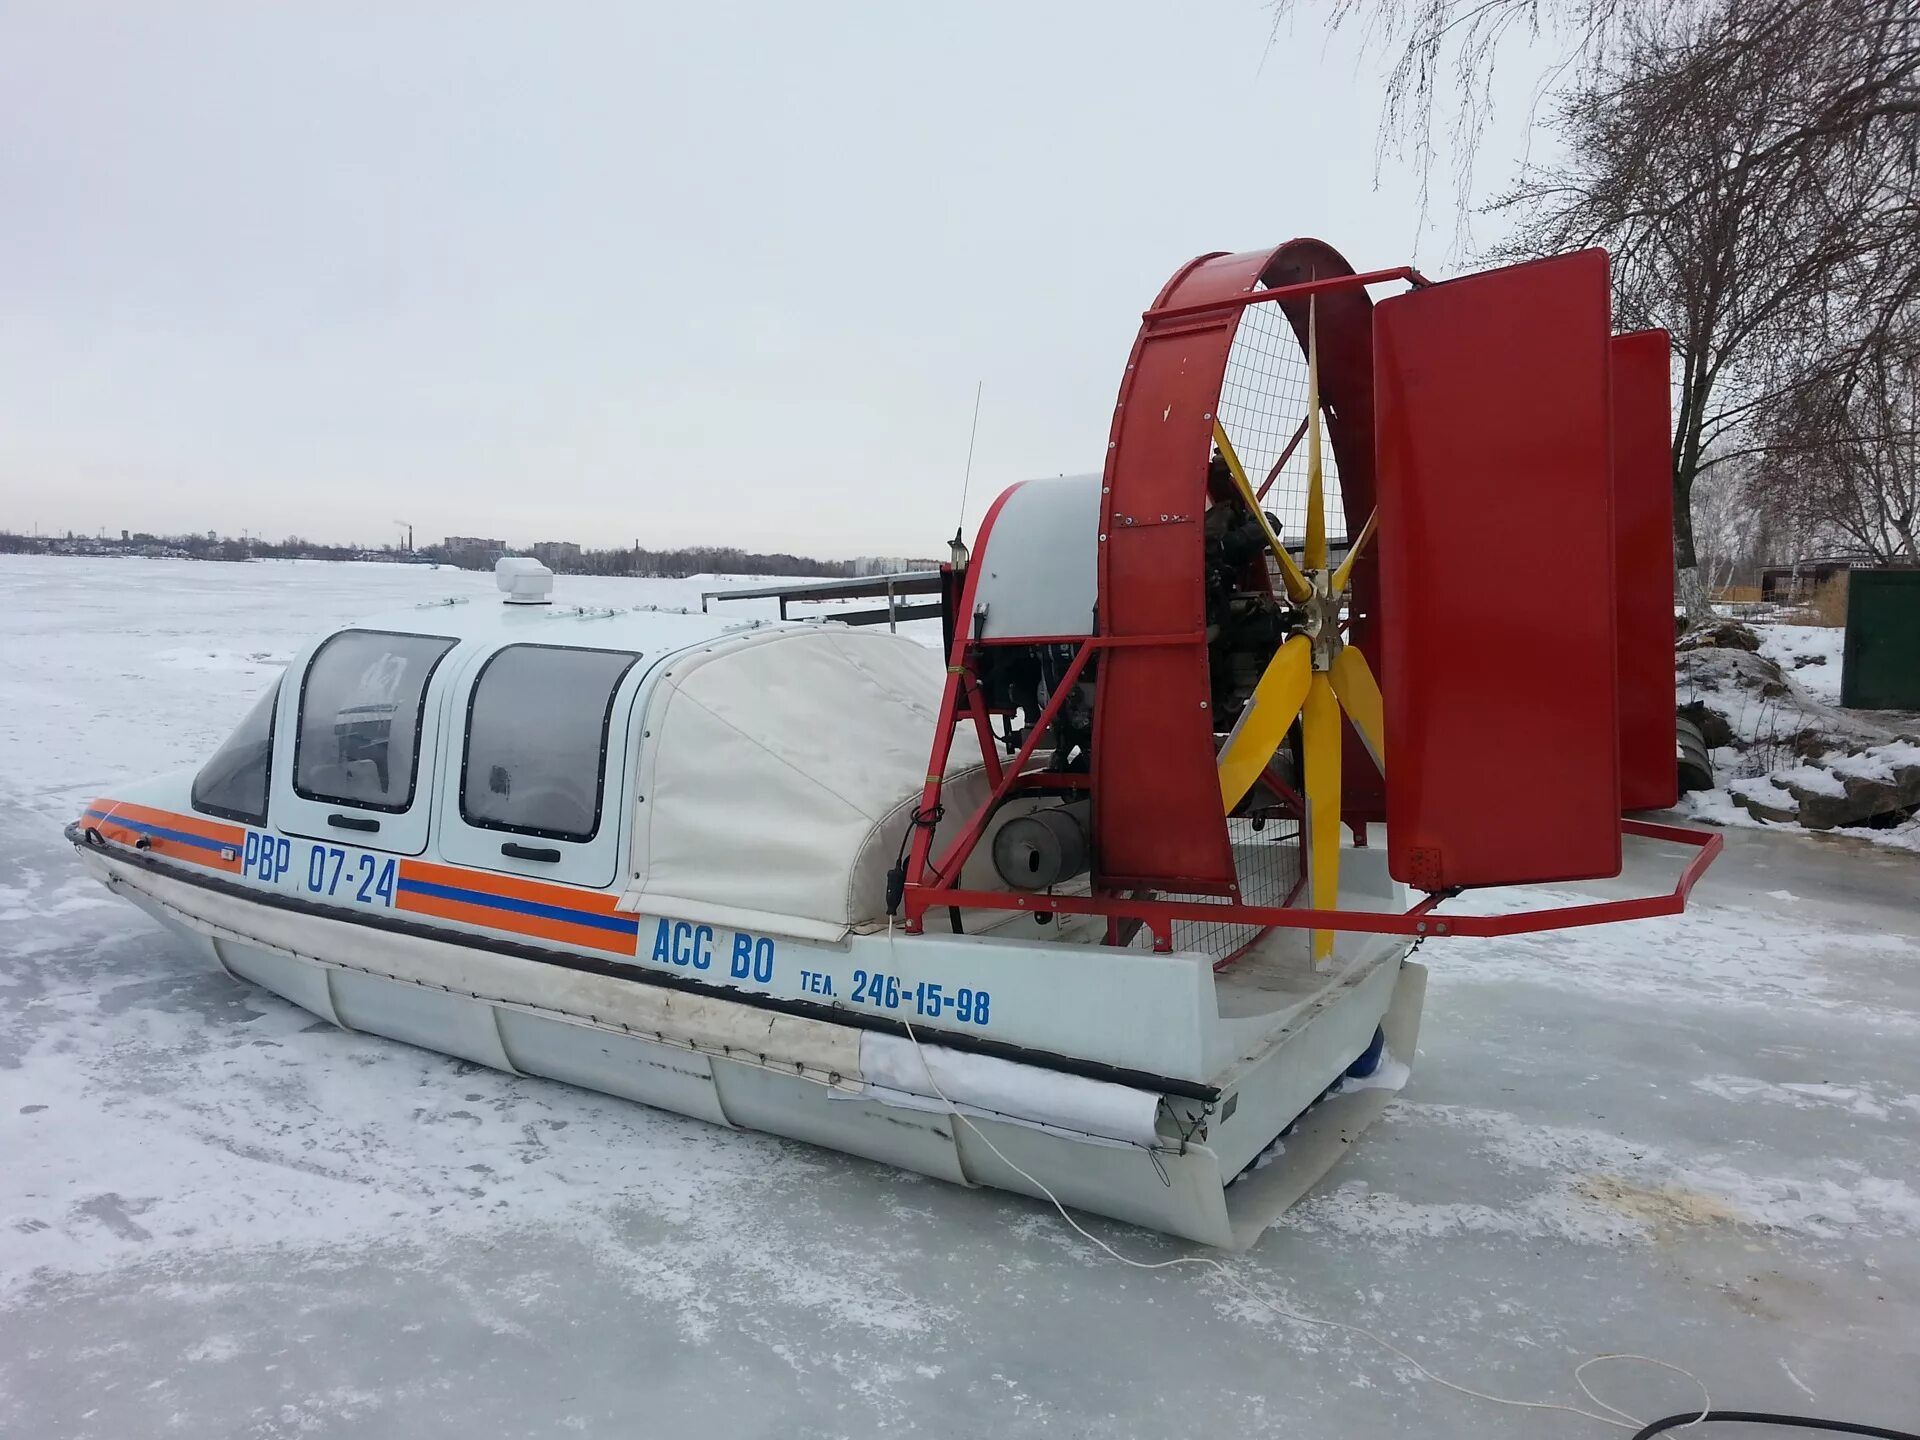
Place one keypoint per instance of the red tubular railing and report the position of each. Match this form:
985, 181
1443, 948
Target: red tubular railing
1420, 920
1286, 292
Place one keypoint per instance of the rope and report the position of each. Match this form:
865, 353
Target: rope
1615, 1417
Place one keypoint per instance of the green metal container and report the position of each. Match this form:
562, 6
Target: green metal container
1880, 669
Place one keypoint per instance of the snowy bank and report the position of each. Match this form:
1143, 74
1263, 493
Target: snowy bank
1765, 698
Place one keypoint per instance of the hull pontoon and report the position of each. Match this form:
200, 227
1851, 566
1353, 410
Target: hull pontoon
1194, 1158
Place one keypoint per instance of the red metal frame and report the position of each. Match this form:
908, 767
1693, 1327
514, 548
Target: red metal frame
1299, 290
956, 853
1418, 921
1157, 820
957, 672
1005, 780
1273, 474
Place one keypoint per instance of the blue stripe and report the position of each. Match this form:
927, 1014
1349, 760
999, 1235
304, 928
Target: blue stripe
163, 833
619, 924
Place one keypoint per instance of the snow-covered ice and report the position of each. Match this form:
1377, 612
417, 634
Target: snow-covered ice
1696, 1137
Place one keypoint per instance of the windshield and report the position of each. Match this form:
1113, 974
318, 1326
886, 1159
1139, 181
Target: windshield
234, 782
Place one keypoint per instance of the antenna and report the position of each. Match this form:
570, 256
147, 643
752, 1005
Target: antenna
966, 480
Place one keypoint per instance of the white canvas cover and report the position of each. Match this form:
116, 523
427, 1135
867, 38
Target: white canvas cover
778, 773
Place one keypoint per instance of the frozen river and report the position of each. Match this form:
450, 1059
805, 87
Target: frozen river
1695, 1138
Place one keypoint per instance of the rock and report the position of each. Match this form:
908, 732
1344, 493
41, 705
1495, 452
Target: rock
1795, 760
1764, 800
1720, 635
1857, 788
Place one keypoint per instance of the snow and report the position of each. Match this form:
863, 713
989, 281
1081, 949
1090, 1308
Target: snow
1392, 1073
1763, 790
1904, 836
1695, 1136
1718, 807
1730, 955
1808, 1095
1598, 1189
1810, 654
1878, 763
1808, 777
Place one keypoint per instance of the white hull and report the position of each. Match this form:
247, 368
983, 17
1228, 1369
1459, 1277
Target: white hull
1109, 1148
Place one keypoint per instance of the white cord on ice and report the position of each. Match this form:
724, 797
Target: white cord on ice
1616, 1417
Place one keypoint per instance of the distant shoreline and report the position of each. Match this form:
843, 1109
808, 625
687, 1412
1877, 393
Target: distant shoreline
563, 557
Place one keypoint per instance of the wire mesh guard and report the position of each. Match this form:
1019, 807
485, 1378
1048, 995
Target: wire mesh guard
1268, 861
1263, 407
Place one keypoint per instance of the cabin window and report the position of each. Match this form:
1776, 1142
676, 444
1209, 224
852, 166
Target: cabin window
537, 726
361, 713
234, 782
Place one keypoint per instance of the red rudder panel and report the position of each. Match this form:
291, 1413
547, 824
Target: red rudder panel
1493, 443
1643, 567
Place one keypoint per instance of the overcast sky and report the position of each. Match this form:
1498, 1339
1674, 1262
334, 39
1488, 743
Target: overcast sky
694, 273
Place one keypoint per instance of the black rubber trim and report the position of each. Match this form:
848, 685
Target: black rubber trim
566, 960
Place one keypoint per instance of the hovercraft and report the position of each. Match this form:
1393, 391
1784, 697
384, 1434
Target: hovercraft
1107, 898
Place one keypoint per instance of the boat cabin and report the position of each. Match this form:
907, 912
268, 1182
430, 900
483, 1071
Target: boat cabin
750, 773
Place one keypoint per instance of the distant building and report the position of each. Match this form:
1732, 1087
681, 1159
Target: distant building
557, 554
475, 542
1789, 583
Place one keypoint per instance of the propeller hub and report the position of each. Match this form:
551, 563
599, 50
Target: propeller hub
1319, 617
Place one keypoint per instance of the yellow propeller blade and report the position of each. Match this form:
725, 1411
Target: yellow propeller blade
1359, 695
1345, 570
1264, 723
1296, 583
1315, 555
1320, 739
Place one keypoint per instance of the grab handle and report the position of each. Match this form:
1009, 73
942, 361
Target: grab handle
352, 822
529, 852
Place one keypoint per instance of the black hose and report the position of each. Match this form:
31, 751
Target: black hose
1763, 1417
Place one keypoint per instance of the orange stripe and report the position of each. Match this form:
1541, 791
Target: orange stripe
199, 825
173, 849
538, 926
512, 887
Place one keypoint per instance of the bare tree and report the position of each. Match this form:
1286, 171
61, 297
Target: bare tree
1750, 164
1443, 54
1769, 272
1732, 525
1842, 454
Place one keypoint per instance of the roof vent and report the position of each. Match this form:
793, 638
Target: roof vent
524, 580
